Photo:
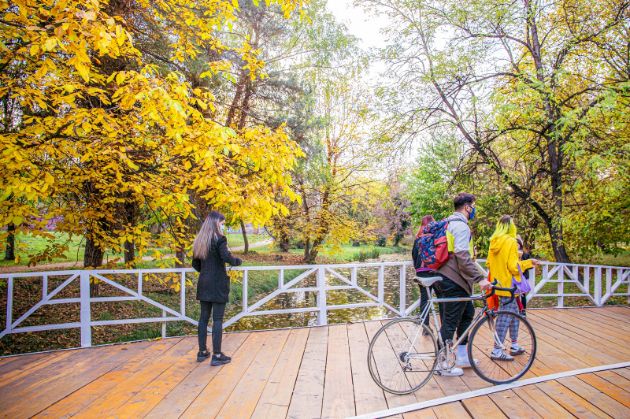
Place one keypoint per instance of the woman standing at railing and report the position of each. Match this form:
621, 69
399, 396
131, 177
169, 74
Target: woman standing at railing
210, 254
504, 266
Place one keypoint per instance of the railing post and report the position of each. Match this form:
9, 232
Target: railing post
182, 295
44, 286
140, 283
532, 282
322, 316
9, 304
561, 287
353, 276
280, 279
381, 284
245, 291
608, 293
403, 291
163, 325
597, 283
587, 280
86, 319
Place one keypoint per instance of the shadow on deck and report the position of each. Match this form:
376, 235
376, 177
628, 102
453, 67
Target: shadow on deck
314, 372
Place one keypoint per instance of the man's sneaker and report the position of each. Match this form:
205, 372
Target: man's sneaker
516, 349
202, 355
220, 359
453, 372
465, 363
499, 355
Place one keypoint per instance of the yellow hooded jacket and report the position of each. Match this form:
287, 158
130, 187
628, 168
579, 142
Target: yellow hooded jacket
503, 262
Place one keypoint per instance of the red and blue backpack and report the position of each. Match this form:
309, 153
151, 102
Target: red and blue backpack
433, 245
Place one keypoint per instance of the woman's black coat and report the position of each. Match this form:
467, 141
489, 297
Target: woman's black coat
214, 284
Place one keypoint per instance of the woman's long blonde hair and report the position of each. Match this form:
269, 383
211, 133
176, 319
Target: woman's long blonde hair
209, 231
505, 226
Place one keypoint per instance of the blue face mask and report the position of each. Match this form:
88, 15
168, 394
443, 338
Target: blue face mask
472, 213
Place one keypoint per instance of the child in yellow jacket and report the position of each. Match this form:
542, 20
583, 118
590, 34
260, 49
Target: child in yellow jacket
503, 263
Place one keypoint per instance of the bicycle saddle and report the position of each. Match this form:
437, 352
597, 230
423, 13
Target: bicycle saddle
428, 281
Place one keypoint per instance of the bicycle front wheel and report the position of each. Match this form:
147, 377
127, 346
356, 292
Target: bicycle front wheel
503, 347
402, 356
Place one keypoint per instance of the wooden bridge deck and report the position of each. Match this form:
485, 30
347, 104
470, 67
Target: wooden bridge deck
316, 372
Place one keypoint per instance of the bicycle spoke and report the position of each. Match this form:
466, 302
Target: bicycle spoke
497, 362
401, 358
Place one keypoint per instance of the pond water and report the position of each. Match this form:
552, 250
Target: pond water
367, 280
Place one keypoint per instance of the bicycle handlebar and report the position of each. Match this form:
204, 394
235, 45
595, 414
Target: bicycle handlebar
512, 291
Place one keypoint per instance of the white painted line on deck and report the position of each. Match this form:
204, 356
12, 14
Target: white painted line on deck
488, 390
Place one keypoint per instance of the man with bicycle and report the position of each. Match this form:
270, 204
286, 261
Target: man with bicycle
459, 274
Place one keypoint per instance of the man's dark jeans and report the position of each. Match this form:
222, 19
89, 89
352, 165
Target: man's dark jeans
457, 315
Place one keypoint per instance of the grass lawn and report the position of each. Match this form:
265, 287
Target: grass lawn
346, 253
28, 245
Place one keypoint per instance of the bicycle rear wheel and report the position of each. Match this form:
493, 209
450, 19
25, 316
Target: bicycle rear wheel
401, 358
496, 361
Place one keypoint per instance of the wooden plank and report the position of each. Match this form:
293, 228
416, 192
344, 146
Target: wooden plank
595, 397
619, 393
16, 362
58, 384
404, 333
594, 323
150, 395
387, 363
613, 376
542, 404
83, 397
214, 395
482, 407
184, 393
276, 397
338, 389
581, 352
451, 410
308, 394
608, 351
25, 368
512, 405
605, 315
584, 328
244, 397
368, 396
421, 414
110, 402
572, 402
624, 372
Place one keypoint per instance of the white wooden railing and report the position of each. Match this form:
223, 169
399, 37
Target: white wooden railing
551, 280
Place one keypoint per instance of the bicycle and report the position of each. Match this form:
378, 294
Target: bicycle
405, 353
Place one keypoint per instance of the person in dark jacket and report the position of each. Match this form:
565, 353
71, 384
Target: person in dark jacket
210, 254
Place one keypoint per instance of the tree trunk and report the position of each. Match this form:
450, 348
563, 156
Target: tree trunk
130, 252
93, 257
180, 255
245, 241
283, 242
130, 215
557, 241
9, 253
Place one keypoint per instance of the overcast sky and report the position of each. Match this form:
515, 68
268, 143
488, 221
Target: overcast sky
365, 27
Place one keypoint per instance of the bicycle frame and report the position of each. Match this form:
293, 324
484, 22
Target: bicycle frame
431, 307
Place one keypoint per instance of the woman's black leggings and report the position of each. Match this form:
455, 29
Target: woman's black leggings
217, 310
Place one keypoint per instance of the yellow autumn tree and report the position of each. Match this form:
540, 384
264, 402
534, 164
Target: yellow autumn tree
99, 134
